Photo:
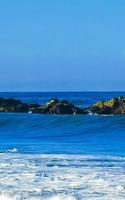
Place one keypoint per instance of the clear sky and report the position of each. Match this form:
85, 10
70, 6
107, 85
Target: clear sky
62, 45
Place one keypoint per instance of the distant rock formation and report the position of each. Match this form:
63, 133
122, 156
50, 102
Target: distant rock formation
113, 106
13, 105
54, 106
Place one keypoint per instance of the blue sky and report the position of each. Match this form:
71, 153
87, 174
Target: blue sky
62, 45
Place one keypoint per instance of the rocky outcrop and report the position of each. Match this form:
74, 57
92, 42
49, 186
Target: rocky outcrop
113, 106
13, 105
55, 106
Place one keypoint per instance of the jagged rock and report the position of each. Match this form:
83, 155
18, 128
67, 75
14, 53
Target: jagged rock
120, 110
113, 106
54, 106
22, 108
52, 102
10, 102
61, 108
12, 105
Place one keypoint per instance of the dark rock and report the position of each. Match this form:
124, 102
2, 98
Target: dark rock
120, 109
54, 106
52, 102
103, 110
77, 110
9, 102
61, 108
22, 108
12, 105
38, 110
113, 106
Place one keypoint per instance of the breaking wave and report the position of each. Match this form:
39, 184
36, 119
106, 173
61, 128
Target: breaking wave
61, 177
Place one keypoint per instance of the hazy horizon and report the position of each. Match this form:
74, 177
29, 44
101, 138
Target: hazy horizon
75, 91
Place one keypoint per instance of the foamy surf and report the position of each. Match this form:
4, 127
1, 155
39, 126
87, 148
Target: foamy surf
62, 197
14, 150
61, 177
4, 197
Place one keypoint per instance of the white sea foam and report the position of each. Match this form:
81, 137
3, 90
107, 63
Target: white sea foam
4, 197
62, 197
14, 150
61, 177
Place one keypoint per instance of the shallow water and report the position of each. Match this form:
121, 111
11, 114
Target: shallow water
62, 157
62, 177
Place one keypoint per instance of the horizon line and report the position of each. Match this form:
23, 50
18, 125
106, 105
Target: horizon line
77, 91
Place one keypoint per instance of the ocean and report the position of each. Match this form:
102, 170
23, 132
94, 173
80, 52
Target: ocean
62, 157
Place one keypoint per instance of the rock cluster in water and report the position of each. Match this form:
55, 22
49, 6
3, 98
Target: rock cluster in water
55, 106
113, 106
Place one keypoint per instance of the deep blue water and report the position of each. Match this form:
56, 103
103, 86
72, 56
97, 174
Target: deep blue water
63, 134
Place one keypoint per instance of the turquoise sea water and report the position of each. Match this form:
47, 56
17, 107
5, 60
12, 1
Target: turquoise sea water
60, 157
